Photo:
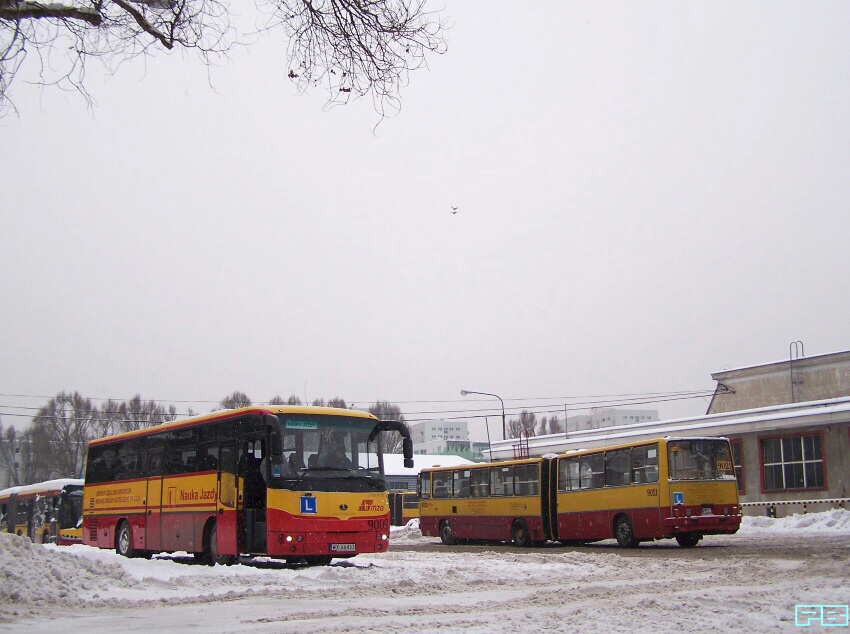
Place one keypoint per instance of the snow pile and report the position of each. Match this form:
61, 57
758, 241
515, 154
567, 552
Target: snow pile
407, 534
34, 576
745, 582
836, 520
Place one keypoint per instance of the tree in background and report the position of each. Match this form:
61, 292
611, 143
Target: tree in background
383, 410
550, 426
60, 433
236, 400
334, 402
351, 47
527, 422
117, 418
16, 456
292, 400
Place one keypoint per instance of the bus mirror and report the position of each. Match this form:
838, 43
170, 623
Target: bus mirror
407, 448
275, 450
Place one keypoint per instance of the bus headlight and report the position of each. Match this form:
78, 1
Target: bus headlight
384, 537
289, 538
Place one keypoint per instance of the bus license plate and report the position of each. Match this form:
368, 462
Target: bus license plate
706, 510
342, 548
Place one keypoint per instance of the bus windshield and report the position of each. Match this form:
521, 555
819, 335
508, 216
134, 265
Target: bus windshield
71, 507
700, 459
318, 447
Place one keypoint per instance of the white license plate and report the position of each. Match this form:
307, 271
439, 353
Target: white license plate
706, 510
342, 548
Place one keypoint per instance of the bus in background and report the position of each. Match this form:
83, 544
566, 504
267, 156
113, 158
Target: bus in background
404, 506
46, 512
497, 501
304, 484
682, 488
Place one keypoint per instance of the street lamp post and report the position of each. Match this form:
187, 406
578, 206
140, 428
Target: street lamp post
504, 427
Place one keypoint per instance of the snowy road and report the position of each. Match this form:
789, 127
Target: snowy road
748, 582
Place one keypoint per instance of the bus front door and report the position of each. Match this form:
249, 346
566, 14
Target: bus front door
227, 505
153, 500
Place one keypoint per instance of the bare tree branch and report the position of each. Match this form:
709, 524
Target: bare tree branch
35, 10
147, 27
353, 48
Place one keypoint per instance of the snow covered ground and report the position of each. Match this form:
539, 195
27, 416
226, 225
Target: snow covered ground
747, 582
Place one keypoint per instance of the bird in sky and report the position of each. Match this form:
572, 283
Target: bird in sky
454, 209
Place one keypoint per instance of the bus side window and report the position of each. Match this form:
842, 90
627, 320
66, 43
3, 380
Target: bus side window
502, 481
568, 475
461, 483
442, 485
593, 471
617, 467
645, 464
480, 483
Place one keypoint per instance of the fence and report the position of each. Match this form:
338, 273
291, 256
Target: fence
771, 506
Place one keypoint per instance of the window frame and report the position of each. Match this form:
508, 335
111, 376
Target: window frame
802, 434
738, 445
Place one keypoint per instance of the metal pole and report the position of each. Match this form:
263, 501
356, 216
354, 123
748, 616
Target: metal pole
487, 425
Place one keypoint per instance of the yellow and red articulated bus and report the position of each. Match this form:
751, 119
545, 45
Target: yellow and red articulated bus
404, 506
682, 488
46, 512
304, 484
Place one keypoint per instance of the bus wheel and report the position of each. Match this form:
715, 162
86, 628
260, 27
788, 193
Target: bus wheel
124, 541
521, 535
688, 540
213, 557
624, 533
446, 533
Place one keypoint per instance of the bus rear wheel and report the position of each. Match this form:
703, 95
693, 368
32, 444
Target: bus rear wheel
521, 535
124, 541
688, 540
446, 533
212, 555
624, 533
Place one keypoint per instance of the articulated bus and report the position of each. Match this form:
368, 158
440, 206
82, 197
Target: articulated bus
304, 484
46, 512
404, 506
682, 488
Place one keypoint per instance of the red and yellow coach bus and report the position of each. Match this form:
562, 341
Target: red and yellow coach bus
304, 484
46, 512
682, 488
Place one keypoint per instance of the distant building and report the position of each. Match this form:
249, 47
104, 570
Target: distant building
445, 437
427, 431
610, 417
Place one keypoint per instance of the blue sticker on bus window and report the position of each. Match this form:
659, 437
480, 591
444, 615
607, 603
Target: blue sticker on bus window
678, 499
308, 505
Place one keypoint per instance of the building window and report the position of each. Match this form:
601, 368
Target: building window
792, 462
738, 461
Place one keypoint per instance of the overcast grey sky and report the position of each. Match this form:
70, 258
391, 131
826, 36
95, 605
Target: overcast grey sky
647, 192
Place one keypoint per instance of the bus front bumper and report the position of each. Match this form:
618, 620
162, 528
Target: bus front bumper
333, 544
